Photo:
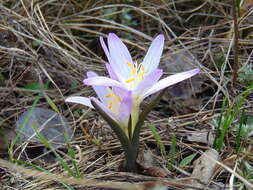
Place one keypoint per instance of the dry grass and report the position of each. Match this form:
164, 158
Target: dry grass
57, 41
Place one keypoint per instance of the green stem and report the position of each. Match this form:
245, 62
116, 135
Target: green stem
131, 156
143, 115
136, 134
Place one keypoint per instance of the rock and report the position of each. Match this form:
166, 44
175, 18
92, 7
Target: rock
181, 62
204, 167
48, 123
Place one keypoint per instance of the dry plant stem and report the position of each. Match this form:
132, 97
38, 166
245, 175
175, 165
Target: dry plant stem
236, 49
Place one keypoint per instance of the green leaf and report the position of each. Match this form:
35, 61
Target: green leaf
187, 160
229, 118
110, 13
34, 86
59, 158
250, 121
51, 103
173, 150
157, 138
238, 7
36, 43
71, 153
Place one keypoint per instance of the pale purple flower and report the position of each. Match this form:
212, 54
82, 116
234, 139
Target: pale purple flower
116, 103
129, 83
142, 79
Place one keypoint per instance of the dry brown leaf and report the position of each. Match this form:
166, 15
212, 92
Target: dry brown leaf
246, 5
147, 162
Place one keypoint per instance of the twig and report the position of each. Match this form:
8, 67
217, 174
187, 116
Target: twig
236, 49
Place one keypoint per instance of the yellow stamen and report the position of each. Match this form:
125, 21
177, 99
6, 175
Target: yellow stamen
113, 100
137, 72
130, 80
130, 65
118, 98
141, 75
109, 95
110, 104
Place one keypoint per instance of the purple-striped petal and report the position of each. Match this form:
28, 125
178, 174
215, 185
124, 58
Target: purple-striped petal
148, 81
152, 58
80, 100
170, 80
120, 57
101, 91
103, 81
126, 108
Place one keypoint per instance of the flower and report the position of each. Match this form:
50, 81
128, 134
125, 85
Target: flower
116, 103
142, 79
129, 84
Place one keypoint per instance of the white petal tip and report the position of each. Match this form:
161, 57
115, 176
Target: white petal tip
79, 100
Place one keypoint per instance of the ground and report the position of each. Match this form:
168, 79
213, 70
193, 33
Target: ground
46, 48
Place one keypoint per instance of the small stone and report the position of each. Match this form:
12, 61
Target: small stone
204, 167
47, 123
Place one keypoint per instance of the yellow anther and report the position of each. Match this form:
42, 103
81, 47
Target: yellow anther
137, 72
109, 95
130, 65
130, 80
113, 100
118, 98
133, 71
110, 104
141, 75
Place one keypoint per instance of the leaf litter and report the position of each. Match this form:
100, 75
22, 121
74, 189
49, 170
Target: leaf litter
65, 45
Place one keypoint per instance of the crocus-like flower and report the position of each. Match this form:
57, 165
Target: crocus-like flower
116, 103
142, 79
121, 94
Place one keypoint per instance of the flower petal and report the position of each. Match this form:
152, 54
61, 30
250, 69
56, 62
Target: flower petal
80, 100
120, 56
101, 91
126, 108
105, 109
102, 42
148, 81
111, 72
103, 81
170, 80
152, 58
